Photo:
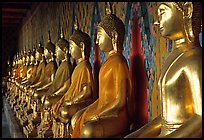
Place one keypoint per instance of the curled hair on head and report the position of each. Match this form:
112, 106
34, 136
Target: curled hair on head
78, 36
197, 21
194, 24
40, 49
110, 23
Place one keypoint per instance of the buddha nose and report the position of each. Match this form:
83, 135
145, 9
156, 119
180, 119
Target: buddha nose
156, 23
97, 40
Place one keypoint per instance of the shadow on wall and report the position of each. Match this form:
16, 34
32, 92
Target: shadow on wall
138, 75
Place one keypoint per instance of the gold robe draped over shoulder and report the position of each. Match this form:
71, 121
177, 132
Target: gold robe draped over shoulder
50, 69
81, 76
24, 71
32, 73
63, 74
39, 73
111, 107
180, 85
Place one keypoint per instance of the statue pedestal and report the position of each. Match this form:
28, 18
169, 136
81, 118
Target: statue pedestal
14, 126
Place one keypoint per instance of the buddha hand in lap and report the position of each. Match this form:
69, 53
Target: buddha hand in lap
181, 76
80, 92
109, 115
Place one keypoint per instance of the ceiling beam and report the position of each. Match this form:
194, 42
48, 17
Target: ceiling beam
11, 17
11, 21
16, 10
19, 6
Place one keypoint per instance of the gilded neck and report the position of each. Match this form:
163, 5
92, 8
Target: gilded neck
50, 60
41, 61
80, 60
65, 59
182, 44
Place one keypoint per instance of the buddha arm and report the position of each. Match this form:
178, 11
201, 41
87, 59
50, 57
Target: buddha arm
47, 85
61, 90
151, 129
113, 108
36, 85
82, 96
191, 128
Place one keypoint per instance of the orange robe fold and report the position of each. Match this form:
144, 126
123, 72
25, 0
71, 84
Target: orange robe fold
82, 75
111, 107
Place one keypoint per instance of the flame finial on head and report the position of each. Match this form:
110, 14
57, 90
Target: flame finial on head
108, 9
62, 33
76, 24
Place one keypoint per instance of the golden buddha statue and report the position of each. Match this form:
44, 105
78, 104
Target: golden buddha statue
180, 81
20, 107
44, 83
20, 74
109, 115
26, 110
31, 70
34, 118
59, 86
48, 76
80, 92
42, 64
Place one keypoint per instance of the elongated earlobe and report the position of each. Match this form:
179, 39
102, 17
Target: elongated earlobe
82, 45
188, 10
114, 41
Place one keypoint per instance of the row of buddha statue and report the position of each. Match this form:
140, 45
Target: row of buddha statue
53, 101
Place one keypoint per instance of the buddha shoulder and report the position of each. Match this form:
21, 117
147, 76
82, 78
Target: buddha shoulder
193, 57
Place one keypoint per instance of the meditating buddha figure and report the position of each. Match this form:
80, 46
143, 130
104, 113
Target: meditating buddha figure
180, 81
19, 75
43, 85
58, 88
109, 115
40, 69
34, 118
21, 103
12, 73
80, 92
50, 69
32, 70
11, 84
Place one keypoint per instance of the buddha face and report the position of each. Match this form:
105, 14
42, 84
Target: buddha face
103, 40
170, 21
24, 59
74, 50
27, 59
38, 55
59, 53
47, 54
32, 59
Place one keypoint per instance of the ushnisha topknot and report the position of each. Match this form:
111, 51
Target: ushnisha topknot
50, 46
40, 49
62, 43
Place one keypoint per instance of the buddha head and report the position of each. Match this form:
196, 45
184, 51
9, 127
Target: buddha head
49, 49
28, 57
8, 63
62, 48
111, 31
179, 20
24, 55
32, 57
39, 52
80, 44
